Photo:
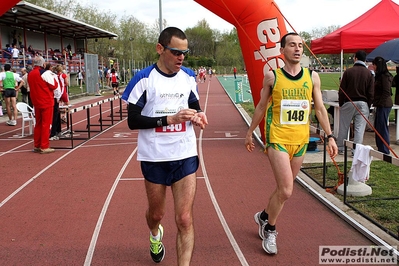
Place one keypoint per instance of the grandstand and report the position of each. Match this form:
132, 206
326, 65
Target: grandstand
57, 38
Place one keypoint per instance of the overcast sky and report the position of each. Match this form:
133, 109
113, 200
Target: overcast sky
302, 15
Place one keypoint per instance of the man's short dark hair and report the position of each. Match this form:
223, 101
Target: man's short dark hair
361, 55
167, 34
284, 38
7, 67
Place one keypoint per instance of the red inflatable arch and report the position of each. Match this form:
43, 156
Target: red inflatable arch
7, 5
260, 27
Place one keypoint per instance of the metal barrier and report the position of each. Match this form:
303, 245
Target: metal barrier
91, 128
324, 167
378, 155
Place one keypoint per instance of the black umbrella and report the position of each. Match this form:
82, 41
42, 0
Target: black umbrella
388, 50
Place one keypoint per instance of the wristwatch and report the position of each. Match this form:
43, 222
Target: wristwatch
331, 136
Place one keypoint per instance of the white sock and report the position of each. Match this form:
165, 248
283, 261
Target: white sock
157, 237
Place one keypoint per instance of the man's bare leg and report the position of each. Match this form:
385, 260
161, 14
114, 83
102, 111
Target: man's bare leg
184, 194
285, 172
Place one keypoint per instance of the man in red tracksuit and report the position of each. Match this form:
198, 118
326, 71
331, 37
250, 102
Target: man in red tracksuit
42, 85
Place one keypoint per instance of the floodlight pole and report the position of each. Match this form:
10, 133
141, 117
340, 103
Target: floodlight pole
160, 16
131, 50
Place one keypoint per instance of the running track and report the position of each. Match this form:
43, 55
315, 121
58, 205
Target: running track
85, 206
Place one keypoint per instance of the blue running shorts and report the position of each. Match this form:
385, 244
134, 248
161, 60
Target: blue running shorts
167, 173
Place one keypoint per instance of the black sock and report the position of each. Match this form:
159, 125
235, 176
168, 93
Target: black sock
269, 227
264, 216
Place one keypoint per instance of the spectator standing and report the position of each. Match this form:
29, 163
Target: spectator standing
29, 60
355, 97
105, 74
100, 77
395, 83
382, 103
114, 80
30, 50
10, 83
19, 39
63, 80
15, 54
80, 78
25, 87
109, 75
166, 142
286, 100
42, 85
7, 51
28, 87
56, 122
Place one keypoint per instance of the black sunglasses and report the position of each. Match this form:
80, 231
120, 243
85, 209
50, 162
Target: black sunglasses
175, 51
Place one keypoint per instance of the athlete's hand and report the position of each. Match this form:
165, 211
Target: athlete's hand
249, 143
199, 119
181, 116
332, 148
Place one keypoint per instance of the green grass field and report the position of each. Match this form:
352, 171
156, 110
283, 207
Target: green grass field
330, 81
383, 205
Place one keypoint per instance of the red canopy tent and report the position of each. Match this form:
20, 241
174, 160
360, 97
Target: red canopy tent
371, 29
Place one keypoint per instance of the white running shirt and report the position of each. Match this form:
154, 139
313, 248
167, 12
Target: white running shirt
159, 95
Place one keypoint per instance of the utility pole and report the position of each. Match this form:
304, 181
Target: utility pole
160, 16
131, 50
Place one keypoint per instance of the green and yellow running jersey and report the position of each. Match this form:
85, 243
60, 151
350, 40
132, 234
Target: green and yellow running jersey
287, 115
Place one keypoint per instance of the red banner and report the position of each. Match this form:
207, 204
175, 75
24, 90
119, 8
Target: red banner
260, 27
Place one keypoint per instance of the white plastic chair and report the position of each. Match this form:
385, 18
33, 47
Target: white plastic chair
27, 116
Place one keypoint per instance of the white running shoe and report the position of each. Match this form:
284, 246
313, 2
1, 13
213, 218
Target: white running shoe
269, 242
260, 223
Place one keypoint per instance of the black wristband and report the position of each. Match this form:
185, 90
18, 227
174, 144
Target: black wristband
164, 120
331, 136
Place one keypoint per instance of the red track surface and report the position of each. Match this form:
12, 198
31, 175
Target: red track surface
85, 206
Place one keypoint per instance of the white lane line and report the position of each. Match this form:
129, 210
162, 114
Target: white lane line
9, 151
93, 242
219, 212
33, 178
48, 167
30, 141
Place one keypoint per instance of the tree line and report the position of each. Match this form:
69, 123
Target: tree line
136, 40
